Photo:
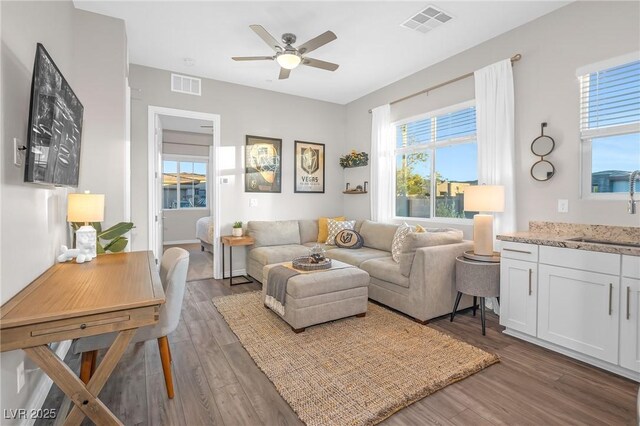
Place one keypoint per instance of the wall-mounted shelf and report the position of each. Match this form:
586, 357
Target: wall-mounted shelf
354, 192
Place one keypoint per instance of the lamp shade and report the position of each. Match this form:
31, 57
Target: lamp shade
85, 207
484, 198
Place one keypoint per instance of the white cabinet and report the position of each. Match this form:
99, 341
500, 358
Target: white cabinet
518, 294
579, 310
630, 314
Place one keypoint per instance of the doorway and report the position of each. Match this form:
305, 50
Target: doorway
184, 199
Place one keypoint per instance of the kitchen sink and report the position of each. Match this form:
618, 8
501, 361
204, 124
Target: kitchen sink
610, 243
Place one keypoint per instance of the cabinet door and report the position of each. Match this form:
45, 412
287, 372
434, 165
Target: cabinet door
518, 295
579, 310
630, 324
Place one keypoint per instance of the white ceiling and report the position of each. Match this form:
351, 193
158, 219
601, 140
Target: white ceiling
182, 124
373, 50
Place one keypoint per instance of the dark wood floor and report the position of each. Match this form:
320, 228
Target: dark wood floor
216, 381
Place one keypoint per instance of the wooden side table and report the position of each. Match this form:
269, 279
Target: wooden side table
231, 241
478, 279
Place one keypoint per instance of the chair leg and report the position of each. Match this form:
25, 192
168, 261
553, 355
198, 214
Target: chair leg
482, 314
85, 366
455, 306
165, 357
475, 304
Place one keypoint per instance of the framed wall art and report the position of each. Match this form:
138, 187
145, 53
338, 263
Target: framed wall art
309, 167
263, 171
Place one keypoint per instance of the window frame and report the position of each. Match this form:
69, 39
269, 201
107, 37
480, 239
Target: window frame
186, 158
586, 136
431, 146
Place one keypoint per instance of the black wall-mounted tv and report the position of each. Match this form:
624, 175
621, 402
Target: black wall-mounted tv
55, 126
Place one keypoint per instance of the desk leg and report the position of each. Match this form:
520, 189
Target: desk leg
84, 397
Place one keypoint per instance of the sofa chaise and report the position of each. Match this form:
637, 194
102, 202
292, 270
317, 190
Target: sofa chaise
421, 285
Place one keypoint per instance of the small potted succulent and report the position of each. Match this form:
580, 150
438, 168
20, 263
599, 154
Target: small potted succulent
237, 229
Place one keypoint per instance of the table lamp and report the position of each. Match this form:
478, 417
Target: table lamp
488, 199
86, 208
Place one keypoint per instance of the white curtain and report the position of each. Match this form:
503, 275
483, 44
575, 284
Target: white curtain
496, 141
381, 157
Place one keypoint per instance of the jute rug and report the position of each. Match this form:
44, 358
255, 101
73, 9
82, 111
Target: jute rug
356, 371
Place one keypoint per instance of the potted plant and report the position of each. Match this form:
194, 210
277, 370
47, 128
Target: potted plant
237, 229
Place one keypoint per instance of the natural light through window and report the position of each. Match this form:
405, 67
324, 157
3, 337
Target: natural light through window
610, 127
436, 158
184, 183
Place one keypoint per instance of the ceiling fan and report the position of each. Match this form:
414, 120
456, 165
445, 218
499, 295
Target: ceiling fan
289, 57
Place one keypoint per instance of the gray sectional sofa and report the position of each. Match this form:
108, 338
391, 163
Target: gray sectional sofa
421, 285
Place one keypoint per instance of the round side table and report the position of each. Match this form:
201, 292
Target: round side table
477, 279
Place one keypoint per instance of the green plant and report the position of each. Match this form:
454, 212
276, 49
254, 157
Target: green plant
237, 224
354, 159
110, 240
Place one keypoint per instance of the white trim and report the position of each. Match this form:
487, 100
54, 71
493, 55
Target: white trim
452, 108
599, 132
39, 396
187, 157
213, 170
630, 374
171, 243
608, 63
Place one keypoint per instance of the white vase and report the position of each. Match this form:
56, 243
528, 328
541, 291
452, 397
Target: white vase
236, 232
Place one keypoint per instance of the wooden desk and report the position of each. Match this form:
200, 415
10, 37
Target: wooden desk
114, 292
231, 241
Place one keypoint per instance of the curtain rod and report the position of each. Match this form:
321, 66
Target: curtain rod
514, 58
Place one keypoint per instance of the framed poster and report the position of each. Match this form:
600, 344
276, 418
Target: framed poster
262, 164
309, 167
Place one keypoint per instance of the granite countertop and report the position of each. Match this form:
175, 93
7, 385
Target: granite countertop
560, 234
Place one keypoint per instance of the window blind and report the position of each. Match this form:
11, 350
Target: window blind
610, 97
458, 124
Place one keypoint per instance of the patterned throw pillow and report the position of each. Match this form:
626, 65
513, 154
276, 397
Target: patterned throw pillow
336, 226
350, 239
398, 241
323, 230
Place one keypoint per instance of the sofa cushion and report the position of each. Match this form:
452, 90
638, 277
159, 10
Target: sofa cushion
431, 237
323, 229
323, 246
277, 254
336, 226
378, 235
385, 269
356, 257
308, 230
350, 239
274, 232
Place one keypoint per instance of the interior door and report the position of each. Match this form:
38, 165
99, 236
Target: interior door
158, 238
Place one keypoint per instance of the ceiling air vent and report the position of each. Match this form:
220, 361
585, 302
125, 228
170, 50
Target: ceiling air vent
427, 19
184, 84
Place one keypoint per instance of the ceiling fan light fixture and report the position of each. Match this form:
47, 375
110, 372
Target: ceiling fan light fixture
288, 60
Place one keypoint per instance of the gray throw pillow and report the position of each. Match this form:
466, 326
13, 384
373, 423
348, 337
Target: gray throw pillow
350, 239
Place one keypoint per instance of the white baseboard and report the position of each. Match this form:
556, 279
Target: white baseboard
169, 243
40, 394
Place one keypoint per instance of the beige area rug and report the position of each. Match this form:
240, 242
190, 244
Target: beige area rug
356, 371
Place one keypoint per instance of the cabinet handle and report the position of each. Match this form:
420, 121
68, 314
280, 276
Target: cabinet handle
516, 251
628, 302
530, 274
610, 298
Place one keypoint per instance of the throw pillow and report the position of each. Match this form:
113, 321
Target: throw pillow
398, 241
335, 226
323, 231
420, 229
350, 239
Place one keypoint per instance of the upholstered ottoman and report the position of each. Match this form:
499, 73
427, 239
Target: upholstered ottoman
316, 297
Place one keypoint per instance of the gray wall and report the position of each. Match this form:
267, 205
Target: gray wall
243, 110
546, 89
33, 219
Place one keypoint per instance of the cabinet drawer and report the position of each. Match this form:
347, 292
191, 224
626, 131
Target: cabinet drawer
520, 251
631, 266
604, 263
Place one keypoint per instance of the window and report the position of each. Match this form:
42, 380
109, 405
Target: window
436, 158
184, 182
609, 126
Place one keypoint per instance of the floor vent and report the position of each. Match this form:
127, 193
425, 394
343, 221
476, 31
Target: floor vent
185, 84
427, 20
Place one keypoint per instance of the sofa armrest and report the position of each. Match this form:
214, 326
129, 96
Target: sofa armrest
432, 278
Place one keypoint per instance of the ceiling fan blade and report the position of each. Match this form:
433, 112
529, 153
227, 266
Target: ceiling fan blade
317, 63
252, 58
284, 73
268, 38
319, 41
